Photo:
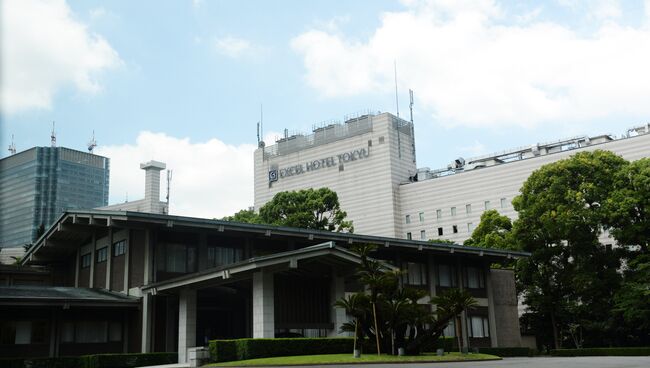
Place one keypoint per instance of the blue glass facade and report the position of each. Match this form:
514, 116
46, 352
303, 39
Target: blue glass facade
38, 184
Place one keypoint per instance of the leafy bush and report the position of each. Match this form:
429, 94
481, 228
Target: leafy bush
93, 361
507, 352
641, 351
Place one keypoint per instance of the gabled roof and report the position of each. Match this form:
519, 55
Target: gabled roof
290, 258
108, 218
69, 296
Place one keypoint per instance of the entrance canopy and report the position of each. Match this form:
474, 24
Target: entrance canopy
327, 252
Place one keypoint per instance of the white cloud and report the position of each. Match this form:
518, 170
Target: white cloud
210, 179
468, 68
232, 47
475, 149
44, 48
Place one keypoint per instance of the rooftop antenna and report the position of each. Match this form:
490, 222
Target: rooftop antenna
12, 146
53, 136
396, 98
412, 125
169, 181
260, 128
92, 144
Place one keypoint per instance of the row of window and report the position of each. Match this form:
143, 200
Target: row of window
415, 274
23, 332
477, 326
182, 258
468, 210
101, 255
91, 332
441, 231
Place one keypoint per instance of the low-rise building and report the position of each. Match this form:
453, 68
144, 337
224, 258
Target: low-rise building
141, 282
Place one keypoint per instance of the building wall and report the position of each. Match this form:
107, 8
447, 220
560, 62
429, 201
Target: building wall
487, 184
389, 162
505, 307
38, 185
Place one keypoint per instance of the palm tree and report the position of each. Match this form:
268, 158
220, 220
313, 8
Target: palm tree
450, 305
354, 305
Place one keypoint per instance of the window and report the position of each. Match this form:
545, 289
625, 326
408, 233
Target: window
450, 330
115, 331
478, 326
468, 208
423, 235
504, 203
414, 273
440, 231
381, 139
176, 258
90, 331
67, 332
7, 332
438, 214
102, 254
119, 248
219, 256
453, 211
470, 227
23, 332
408, 219
454, 229
474, 279
85, 260
487, 205
421, 216
409, 236
446, 275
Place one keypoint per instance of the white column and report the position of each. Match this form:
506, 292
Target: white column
491, 316
338, 316
127, 263
147, 308
186, 323
263, 309
109, 260
91, 283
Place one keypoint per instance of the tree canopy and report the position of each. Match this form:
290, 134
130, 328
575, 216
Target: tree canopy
307, 208
494, 231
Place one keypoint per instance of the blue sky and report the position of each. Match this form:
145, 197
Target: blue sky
169, 80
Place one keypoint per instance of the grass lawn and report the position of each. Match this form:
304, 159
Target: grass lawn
347, 358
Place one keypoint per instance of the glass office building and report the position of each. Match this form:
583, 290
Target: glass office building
39, 184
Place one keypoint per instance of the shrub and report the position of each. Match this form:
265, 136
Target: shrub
93, 361
640, 351
507, 352
241, 349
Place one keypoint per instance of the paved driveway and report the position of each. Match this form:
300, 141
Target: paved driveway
545, 362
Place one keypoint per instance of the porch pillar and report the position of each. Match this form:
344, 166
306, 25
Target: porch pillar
147, 309
186, 323
338, 316
263, 308
463, 316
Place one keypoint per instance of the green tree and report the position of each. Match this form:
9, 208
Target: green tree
441, 241
570, 277
494, 231
248, 216
308, 209
633, 298
628, 205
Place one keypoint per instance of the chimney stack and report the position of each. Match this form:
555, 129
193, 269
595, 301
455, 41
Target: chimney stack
152, 184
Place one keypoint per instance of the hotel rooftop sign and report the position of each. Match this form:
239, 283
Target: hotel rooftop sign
276, 173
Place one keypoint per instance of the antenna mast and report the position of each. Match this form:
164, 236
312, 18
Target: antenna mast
169, 180
92, 144
53, 136
412, 125
396, 98
260, 128
12, 146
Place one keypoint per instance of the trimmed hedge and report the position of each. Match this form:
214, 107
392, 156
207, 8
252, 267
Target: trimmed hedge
241, 349
640, 351
93, 361
507, 352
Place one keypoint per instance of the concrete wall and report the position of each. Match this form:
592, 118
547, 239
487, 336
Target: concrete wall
505, 308
488, 184
367, 187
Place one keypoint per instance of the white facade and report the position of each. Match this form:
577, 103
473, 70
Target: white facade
384, 194
364, 160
